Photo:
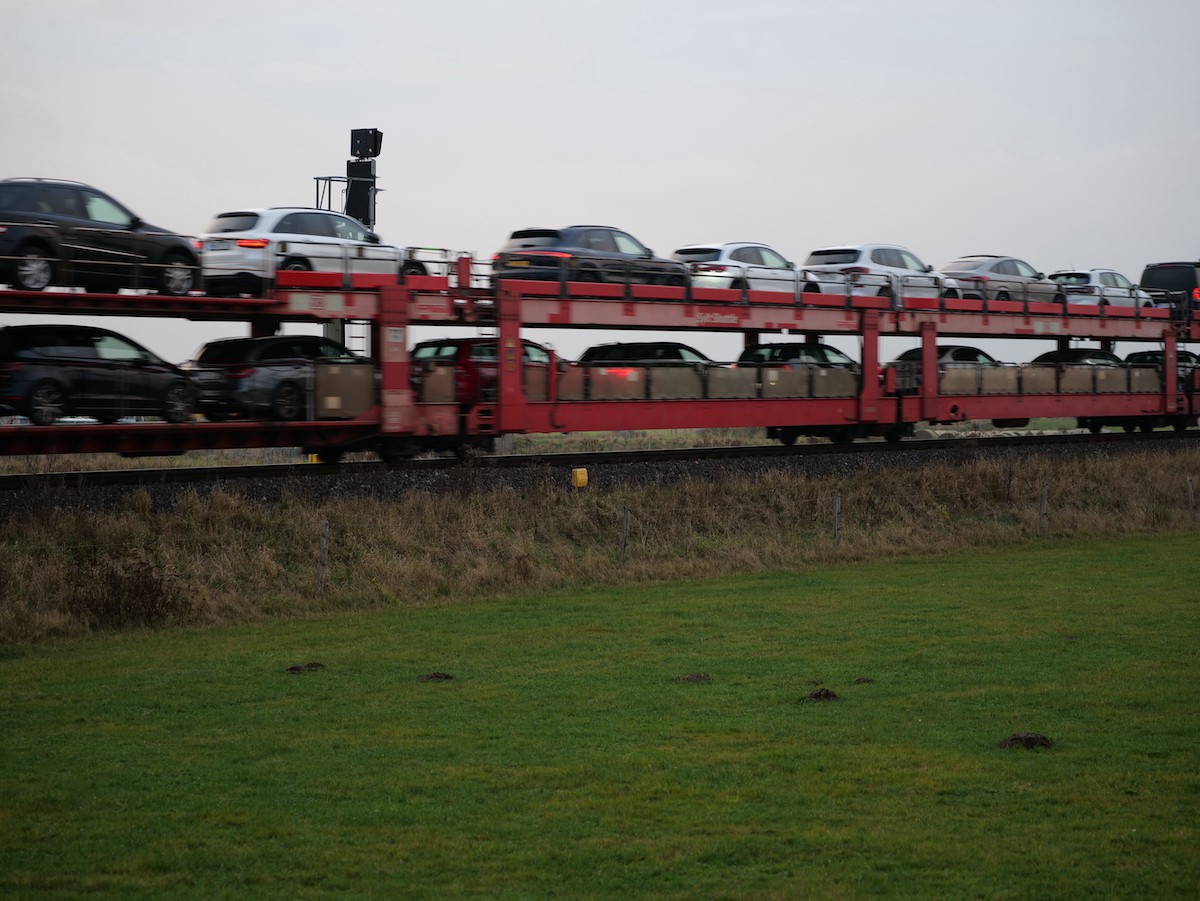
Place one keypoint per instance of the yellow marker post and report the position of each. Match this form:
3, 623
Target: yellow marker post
578, 478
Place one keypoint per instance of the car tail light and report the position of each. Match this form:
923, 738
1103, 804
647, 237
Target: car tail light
256, 243
855, 270
242, 372
708, 267
198, 244
1195, 293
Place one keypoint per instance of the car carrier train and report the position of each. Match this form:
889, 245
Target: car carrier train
401, 406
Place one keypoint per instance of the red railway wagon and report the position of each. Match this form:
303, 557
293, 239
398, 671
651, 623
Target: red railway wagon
789, 402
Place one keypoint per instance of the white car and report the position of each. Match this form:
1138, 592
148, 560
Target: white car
1100, 287
886, 270
243, 249
738, 266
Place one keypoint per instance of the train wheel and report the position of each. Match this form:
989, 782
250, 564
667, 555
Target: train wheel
47, 403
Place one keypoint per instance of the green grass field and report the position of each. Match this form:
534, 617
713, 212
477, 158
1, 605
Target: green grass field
564, 759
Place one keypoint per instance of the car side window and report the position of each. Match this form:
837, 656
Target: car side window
772, 259
1006, 267
53, 342
627, 244
748, 255
62, 200
1120, 281
324, 349
110, 347
291, 224
536, 354
908, 261
318, 224
689, 355
347, 229
102, 209
483, 352
1024, 269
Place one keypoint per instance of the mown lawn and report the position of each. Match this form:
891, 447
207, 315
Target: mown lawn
564, 759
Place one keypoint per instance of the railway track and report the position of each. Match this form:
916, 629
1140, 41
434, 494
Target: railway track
565, 460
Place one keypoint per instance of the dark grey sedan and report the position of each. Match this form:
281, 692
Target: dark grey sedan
256, 377
989, 277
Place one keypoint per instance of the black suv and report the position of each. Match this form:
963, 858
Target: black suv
646, 353
51, 371
64, 233
253, 376
1177, 284
584, 253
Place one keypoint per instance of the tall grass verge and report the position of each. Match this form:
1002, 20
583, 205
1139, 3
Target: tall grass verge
223, 557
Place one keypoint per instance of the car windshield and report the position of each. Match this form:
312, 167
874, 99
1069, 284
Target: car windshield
964, 264
697, 254
832, 256
233, 222
1071, 278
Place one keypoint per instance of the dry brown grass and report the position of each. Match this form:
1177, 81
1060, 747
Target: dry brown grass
219, 558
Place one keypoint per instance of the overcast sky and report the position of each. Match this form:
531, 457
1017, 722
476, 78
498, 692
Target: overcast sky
1065, 132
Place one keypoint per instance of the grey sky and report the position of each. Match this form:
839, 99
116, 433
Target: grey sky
1061, 131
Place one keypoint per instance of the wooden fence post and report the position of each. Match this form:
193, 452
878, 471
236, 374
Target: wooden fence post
837, 520
322, 557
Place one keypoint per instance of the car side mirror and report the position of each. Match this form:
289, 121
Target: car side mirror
372, 238
789, 264
647, 254
1040, 275
928, 267
136, 222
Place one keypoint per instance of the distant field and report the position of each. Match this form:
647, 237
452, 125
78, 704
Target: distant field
567, 757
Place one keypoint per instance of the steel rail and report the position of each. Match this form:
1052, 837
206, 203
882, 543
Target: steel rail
568, 459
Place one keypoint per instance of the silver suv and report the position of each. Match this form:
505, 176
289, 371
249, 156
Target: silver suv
886, 270
243, 249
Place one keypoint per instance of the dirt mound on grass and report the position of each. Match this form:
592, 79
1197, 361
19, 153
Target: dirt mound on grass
1029, 740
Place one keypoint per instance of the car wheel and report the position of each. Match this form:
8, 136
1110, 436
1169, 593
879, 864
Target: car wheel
47, 403
295, 265
216, 414
1062, 299
178, 402
739, 284
1003, 295
586, 274
675, 281
288, 403
950, 294
885, 291
812, 288
34, 269
412, 269
178, 276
